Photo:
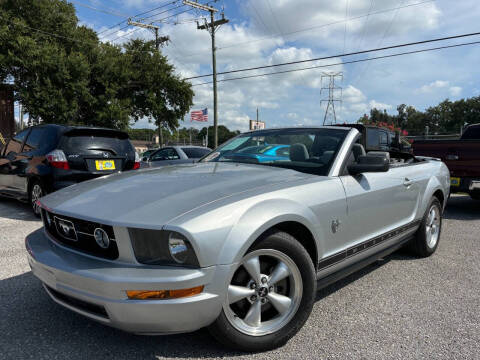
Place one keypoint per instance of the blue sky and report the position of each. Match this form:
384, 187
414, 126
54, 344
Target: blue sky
272, 31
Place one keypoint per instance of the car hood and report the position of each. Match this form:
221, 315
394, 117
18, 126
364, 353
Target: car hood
152, 197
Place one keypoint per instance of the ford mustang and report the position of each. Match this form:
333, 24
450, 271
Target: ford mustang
235, 246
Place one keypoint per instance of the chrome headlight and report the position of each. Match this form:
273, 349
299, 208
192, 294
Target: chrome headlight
161, 247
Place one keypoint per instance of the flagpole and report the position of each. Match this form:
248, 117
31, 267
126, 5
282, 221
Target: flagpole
206, 140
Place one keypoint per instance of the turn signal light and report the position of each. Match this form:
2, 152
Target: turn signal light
163, 294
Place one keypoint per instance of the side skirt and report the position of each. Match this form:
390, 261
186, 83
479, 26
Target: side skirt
330, 279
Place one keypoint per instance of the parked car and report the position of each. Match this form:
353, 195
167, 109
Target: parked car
45, 158
171, 155
263, 153
461, 156
147, 153
238, 247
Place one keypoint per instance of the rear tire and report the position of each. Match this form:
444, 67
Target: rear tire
264, 308
427, 237
35, 191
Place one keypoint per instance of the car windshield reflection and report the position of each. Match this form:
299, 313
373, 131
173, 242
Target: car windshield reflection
309, 150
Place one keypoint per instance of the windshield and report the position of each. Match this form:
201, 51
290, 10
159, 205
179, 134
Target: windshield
306, 150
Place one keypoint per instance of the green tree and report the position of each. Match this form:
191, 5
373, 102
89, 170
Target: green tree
224, 134
62, 73
155, 90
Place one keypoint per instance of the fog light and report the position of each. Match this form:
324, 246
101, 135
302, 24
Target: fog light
178, 247
163, 294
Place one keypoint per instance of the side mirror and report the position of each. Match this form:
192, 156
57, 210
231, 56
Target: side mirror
372, 163
145, 159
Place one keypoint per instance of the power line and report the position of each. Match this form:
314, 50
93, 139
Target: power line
345, 27
252, 5
387, 30
137, 15
324, 25
153, 21
274, 17
362, 37
341, 55
104, 11
238, 44
343, 63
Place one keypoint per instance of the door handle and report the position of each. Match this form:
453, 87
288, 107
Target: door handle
451, 157
407, 182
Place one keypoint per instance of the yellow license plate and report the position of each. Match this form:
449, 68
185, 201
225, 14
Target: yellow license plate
455, 181
105, 164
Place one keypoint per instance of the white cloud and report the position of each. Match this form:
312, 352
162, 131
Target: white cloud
253, 38
455, 90
353, 95
379, 105
437, 84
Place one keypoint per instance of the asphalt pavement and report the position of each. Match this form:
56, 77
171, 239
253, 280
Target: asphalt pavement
398, 308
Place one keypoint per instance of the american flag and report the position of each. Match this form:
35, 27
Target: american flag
199, 115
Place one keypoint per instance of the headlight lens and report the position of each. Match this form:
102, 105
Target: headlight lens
178, 247
159, 247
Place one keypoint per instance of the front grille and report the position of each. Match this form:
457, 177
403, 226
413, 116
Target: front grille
79, 234
79, 304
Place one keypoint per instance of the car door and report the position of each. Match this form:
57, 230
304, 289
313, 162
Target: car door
379, 203
11, 166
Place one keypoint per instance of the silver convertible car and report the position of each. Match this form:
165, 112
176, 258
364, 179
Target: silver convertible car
231, 243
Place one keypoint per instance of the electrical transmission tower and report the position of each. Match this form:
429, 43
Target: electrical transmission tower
333, 91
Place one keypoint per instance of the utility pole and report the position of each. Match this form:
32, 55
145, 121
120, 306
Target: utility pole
211, 28
332, 88
159, 40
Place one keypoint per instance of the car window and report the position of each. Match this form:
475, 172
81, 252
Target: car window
472, 132
80, 141
195, 153
165, 154
40, 138
383, 138
310, 150
372, 138
15, 144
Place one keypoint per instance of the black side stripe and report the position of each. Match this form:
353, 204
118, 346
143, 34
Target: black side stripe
354, 250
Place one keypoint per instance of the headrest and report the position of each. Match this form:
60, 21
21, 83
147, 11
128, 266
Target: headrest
298, 152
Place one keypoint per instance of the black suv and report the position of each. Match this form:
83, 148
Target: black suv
45, 158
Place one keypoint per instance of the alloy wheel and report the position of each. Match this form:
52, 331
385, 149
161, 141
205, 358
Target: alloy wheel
264, 293
432, 227
36, 194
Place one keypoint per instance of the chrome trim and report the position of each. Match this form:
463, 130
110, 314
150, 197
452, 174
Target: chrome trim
474, 185
55, 218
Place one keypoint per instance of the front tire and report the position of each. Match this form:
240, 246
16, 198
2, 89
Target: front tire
427, 236
269, 297
36, 191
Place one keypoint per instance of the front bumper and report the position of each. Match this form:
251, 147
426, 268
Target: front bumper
96, 289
